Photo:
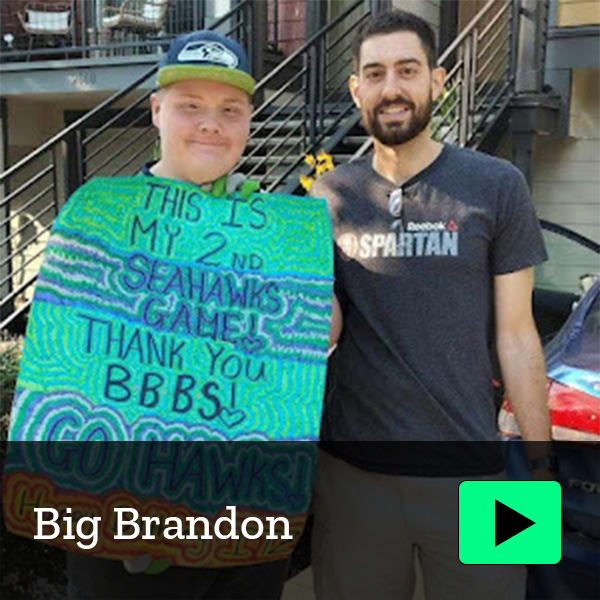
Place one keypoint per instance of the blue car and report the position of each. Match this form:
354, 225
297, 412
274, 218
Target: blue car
572, 352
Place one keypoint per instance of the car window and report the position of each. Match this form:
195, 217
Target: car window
570, 257
582, 350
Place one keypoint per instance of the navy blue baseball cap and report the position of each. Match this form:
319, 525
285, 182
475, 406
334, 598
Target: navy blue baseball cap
206, 55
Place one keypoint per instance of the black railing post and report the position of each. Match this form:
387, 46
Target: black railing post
74, 13
515, 19
543, 40
313, 90
316, 17
199, 14
377, 6
275, 23
259, 31
321, 67
306, 103
6, 307
82, 14
82, 153
73, 167
530, 50
515, 41
448, 27
55, 193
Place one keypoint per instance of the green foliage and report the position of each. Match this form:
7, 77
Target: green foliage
10, 353
30, 570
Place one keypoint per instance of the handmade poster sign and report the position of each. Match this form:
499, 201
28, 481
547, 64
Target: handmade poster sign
162, 313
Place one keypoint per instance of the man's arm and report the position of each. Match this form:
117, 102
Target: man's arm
520, 354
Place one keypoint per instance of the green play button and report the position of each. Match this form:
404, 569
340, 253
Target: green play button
509, 522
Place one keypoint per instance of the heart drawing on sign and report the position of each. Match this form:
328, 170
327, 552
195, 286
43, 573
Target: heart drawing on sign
251, 344
231, 418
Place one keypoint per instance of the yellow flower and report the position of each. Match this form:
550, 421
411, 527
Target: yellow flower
321, 164
324, 163
309, 159
306, 182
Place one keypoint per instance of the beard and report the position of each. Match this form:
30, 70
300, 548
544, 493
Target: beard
394, 133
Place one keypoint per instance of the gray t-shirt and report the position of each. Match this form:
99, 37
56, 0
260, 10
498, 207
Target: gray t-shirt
414, 362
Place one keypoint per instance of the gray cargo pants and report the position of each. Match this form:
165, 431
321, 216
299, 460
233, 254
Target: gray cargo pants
369, 527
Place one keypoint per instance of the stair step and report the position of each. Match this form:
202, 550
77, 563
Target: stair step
286, 123
329, 109
340, 159
351, 141
275, 140
254, 160
354, 140
260, 173
286, 161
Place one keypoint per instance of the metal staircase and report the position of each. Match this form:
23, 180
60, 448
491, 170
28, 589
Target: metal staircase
304, 106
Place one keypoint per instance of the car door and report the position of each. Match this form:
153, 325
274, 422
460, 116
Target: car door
573, 262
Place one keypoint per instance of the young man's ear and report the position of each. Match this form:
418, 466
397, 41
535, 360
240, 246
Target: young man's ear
353, 86
155, 108
438, 78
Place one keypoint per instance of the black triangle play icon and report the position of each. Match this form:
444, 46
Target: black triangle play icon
508, 522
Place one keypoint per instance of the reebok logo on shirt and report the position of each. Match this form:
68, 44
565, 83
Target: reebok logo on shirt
432, 226
426, 226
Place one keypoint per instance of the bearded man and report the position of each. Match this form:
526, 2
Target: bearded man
434, 271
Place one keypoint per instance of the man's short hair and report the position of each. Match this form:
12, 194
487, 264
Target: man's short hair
391, 22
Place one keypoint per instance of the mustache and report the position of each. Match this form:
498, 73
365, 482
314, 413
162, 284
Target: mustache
390, 102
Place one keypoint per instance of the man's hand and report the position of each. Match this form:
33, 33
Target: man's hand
336, 322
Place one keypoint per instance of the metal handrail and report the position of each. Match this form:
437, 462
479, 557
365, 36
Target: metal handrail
89, 35
292, 120
302, 114
462, 36
25, 186
572, 235
29, 203
305, 121
134, 156
311, 41
88, 117
75, 126
44, 203
20, 249
481, 78
107, 124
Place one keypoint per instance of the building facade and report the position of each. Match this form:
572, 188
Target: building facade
83, 52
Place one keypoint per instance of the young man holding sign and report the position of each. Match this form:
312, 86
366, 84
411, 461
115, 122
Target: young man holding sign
198, 311
202, 111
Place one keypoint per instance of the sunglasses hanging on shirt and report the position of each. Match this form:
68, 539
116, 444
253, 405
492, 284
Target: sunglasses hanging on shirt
395, 206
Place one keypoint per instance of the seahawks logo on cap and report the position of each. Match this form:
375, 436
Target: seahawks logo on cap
212, 52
